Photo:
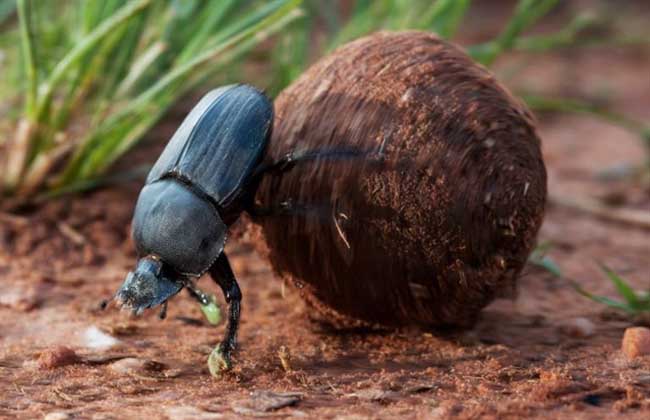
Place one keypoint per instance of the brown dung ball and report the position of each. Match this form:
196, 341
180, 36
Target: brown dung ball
438, 215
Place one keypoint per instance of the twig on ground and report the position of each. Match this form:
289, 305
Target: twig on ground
13, 219
71, 233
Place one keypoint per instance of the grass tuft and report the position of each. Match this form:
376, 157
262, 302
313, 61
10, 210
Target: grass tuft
100, 74
634, 303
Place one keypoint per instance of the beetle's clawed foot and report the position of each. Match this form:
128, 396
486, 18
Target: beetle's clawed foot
219, 360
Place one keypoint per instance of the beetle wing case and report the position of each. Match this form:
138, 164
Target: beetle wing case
219, 143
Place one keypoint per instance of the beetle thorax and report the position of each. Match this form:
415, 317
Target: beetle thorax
178, 227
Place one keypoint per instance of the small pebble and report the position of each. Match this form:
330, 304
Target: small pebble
137, 367
376, 395
579, 328
95, 338
57, 415
23, 299
57, 357
264, 401
636, 342
191, 413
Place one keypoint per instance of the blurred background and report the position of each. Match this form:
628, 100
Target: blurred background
84, 81
90, 91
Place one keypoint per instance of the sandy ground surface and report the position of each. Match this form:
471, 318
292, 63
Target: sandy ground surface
523, 359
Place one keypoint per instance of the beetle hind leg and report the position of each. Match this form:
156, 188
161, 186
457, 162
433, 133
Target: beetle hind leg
291, 208
289, 160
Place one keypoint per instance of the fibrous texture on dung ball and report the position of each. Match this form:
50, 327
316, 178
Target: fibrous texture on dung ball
437, 215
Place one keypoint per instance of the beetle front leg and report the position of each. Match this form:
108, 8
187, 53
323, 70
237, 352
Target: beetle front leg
222, 274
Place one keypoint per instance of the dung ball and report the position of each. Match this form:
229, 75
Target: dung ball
420, 191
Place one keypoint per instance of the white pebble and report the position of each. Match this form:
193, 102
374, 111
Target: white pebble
95, 338
57, 415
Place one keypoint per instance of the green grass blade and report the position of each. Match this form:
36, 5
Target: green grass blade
364, 20
139, 67
563, 38
547, 264
445, 16
137, 173
122, 145
570, 105
539, 258
82, 48
290, 55
526, 13
328, 10
111, 139
601, 299
633, 304
181, 71
29, 56
214, 17
609, 302
622, 287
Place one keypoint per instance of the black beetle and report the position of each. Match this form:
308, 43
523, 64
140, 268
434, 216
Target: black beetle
200, 184
204, 179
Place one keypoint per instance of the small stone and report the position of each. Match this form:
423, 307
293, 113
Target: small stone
57, 415
57, 357
23, 299
579, 328
265, 401
636, 342
420, 388
191, 413
95, 338
375, 395
137, 367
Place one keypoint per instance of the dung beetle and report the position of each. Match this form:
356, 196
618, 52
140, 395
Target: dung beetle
204, 179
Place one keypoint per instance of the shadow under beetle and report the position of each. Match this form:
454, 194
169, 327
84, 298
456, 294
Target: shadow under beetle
203, 180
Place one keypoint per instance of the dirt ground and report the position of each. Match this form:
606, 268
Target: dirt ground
523, 360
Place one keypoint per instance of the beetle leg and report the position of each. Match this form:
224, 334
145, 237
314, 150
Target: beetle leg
198, 294
288, 161
291, 208
223, 275
208, 303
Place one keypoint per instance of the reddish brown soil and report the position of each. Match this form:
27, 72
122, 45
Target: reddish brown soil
58, 262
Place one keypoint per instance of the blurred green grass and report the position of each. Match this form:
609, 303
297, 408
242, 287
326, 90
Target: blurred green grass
634, 303
83, 81
92, 77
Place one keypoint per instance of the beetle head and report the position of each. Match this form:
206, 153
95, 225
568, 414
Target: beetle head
148, 286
